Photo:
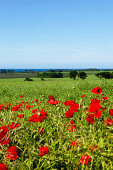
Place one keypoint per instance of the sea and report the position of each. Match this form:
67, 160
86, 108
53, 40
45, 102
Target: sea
41, 70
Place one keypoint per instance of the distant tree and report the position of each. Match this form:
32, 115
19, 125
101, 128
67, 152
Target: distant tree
26, 71
73, 74
3, 71
82, 75
51, 70
10, 71
106, 75
51, 75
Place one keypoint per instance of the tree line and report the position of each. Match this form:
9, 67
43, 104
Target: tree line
106, 75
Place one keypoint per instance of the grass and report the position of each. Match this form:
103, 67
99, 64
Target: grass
56, 135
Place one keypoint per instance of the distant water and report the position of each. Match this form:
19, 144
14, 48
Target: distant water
39, 70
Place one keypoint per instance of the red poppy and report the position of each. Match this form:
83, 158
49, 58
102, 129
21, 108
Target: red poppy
21, 96
71, 128
12, 153
14, 108
4, 138
74, 144
36, 118
111, 112
94, 106
34, 111
105, 99
21, 116
85, 159
109, 122
83, 95
1, 106
40, 130
3, 166
43, 150
43, 114
90, 118
51, 97
69, 114
13, 125
28, 106
92, 148
96, 90
98, 114
36, 100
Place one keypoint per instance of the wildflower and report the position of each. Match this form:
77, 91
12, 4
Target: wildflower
85, 159
12, 153
69, 114
111, 112
109, 122
21, 96
94, 106
74, 144
71, 128
3, 166
90, 118
34, 111
13, 125
28, 107
4, 138
43, 150
83, 95
21, 116
96, 90
40, 130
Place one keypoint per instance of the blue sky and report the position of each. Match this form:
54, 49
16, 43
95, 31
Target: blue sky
56, 33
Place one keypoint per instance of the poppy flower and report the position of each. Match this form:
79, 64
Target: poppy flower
1, 106
71, 128
69, 114
21, 116
52, 100
96, 90
98, 114
28, 107
92, 148
36, 118
83, 95
74, 144
109, 122
90, 118
85, 159
21, 96
15, 108
111, 112
4, 138
40, 130
43, 150
12, 153
36, 100
34, 111
51, 97
94, 106
13, 125
3, 166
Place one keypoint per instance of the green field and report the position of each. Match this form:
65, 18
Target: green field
56, 135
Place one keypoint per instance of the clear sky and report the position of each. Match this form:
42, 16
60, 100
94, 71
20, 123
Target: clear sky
56, 33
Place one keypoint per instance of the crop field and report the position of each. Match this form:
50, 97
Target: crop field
56, 124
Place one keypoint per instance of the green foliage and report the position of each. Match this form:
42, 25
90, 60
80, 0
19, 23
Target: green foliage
52, 75
106, 75
73, 74
82, 75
